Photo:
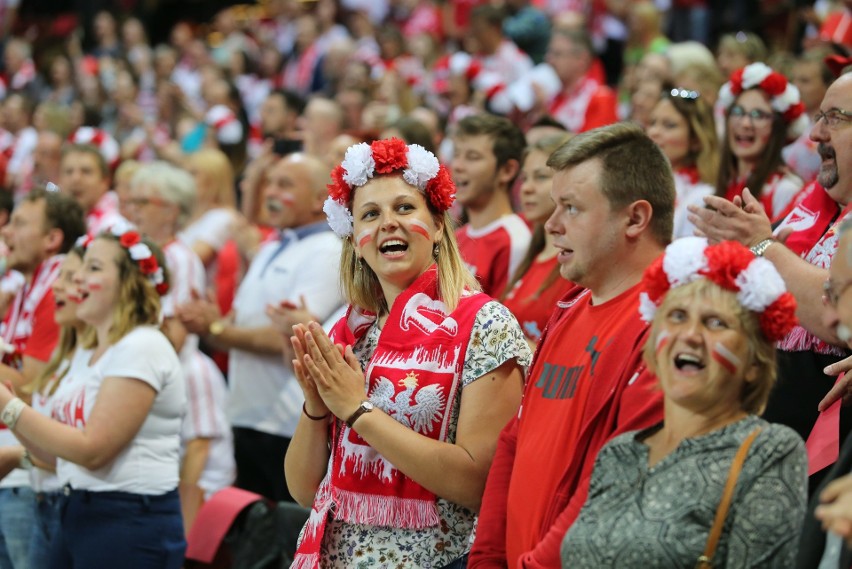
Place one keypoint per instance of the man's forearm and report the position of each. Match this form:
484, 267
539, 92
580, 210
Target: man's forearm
264, 340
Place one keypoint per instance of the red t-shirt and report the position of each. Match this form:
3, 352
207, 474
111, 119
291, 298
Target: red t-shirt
493, 252
554, 410
531, 307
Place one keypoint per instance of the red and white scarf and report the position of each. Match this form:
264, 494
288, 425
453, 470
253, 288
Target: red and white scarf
569, 108
18, 325
413, 376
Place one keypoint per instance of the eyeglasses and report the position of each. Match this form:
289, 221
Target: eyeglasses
833, 117
757, 116
685, 94
832, 294
140, 202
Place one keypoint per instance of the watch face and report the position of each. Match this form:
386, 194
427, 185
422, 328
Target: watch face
368, 406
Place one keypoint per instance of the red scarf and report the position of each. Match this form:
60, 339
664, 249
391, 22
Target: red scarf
18, 325
413, 376
809, 219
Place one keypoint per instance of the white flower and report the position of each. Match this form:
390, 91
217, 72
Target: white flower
459, 63
647, 308
760, 285
121, 227
339, 217
683, 259
754, 74
726, 97
785, 100
358, 164
139, 251
422, 166
158, 277
798, 127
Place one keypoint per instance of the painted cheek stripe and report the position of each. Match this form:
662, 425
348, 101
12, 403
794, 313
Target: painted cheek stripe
95, 286
662, 340
418, 226
726, 358
364, 237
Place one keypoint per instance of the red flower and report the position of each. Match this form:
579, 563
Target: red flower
338, 189
162, 288
655, 281
148, 265
390, 155
774, 84
725, 262
779, 317
737, 81
794, 112
129, 238
440, 191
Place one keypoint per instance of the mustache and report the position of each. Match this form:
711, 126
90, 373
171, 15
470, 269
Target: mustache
825, 151
274, 205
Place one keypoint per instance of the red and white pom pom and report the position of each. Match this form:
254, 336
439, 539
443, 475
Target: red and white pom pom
229, 130
102, 140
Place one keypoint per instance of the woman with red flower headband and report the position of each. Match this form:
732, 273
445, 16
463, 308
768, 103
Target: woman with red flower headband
715, 313
763, 113
405, 400
113, 431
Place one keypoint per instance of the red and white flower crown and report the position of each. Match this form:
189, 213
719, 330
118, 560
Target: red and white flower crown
139, 253
783, 95
730, 265
420, 168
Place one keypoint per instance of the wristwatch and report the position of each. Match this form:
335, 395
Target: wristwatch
216, 328
761, 247
364, 407
26, 462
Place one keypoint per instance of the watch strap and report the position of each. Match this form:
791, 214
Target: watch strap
364, 407
761, 247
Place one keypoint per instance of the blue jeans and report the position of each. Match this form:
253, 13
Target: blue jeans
105, 530
17, 517
45, 528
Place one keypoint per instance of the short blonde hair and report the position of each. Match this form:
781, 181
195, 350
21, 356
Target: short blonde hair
217, 170
761, 352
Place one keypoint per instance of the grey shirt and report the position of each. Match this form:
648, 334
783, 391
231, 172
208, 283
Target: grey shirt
636, 516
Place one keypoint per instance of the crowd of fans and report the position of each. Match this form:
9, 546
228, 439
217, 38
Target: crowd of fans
484, 284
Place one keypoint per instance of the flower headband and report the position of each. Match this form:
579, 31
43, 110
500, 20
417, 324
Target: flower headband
139, 253
783, 96
420, 168
730, 265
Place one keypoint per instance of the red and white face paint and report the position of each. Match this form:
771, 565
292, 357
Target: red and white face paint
417, 226
364, 237
726, 358
662, 341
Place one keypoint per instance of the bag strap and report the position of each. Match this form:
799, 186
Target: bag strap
728, 494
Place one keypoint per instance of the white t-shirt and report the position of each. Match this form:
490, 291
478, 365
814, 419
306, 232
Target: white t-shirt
45, 480
212, 228
264, 393
206, 394
150, 463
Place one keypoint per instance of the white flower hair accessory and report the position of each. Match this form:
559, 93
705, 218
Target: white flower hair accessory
756, 282
784, 97
419, 167
141, 255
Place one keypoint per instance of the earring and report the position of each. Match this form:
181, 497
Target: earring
435, 249
359, 264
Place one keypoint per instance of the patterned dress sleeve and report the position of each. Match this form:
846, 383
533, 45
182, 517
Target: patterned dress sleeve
496, 337
766, 515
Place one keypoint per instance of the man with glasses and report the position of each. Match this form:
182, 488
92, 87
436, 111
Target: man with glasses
827, 531
801, 248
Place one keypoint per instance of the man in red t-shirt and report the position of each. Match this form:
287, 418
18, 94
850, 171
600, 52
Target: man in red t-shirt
614, 195
584, 102
43, 226
487, 153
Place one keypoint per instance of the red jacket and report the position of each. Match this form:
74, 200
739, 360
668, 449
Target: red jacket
625, 397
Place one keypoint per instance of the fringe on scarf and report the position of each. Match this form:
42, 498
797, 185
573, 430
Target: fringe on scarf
387, 511
306, 561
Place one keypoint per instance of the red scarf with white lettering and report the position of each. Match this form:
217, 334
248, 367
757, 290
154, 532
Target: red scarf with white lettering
413, 376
